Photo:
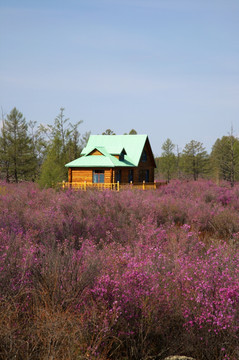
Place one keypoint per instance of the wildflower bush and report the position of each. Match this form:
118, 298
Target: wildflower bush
128, 275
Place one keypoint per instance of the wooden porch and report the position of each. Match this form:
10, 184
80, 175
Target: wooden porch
112, 186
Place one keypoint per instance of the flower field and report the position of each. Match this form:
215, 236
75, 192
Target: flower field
119, 275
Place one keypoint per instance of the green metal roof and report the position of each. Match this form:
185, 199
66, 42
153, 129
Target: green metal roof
133, 144
111, 144
91, 161
100, 149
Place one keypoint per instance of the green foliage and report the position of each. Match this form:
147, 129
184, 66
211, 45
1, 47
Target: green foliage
195, 160
39, 153
132, 132
63, 146
108, 132
225, 159
53, 170
17, 158
167, 161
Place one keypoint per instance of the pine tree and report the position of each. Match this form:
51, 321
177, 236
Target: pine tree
167, 163
225, 158
16, 157
195, 159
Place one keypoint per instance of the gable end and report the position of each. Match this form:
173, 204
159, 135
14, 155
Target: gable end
95, 152
147, 157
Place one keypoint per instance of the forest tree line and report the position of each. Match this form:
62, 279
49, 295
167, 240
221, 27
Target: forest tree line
31, 152
194, 162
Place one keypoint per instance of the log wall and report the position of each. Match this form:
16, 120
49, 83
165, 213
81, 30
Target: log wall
85, 174
95, 152
149, 164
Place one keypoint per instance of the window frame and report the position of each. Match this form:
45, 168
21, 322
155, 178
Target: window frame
98, 176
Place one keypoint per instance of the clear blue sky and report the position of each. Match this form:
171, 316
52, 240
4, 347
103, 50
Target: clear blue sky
167, 68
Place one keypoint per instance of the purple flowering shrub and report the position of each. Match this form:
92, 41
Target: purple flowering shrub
128, 275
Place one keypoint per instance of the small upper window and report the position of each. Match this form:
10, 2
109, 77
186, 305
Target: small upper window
144, 156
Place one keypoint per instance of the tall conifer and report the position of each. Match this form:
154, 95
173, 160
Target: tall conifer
16, 156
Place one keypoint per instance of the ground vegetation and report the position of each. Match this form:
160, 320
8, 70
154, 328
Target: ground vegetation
119, 275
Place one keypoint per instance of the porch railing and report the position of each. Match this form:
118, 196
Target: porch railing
112, 186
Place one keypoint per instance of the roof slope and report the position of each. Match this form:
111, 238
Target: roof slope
108, 145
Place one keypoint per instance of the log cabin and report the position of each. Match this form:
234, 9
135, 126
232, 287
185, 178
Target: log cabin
114, 158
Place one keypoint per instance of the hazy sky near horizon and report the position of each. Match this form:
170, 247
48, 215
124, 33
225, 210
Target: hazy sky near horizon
167, 68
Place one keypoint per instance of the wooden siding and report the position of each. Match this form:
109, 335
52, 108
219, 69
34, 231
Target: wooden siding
95, 152
149, 164
69, 175
124, 174
140, 174
108, 176
81, 175
84, 174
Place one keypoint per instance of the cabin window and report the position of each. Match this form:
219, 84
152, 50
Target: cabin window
118, 176
131, 175
121, 157
144, 156
98, 176
146, 175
